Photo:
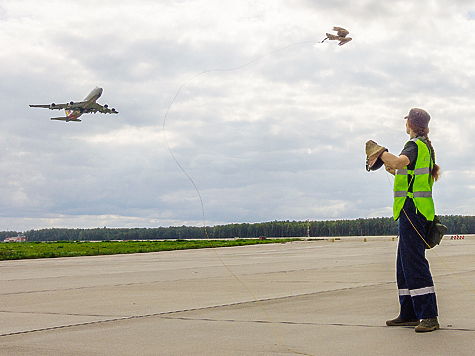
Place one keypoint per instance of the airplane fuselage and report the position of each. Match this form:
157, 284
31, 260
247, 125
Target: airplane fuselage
89, 100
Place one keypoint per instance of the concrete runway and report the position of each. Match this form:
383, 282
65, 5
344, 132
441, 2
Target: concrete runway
309, 297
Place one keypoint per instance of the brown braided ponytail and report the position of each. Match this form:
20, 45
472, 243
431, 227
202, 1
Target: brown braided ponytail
424, 132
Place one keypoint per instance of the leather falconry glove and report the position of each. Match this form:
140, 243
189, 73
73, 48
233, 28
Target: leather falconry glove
374, 151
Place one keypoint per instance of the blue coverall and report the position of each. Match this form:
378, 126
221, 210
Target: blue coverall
414, 279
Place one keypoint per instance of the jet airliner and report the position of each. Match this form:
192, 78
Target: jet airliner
75, 109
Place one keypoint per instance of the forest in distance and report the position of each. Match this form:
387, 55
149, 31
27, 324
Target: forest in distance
456, 224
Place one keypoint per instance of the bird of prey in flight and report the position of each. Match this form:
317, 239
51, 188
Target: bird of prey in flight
341, 34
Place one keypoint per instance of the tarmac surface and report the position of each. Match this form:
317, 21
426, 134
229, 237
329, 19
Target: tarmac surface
310, 298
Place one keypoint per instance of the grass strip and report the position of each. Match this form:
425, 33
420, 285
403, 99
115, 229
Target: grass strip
32, 250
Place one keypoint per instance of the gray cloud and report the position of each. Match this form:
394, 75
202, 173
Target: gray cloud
269, 123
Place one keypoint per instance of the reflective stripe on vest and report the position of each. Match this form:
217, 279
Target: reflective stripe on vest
405, 172
403, 194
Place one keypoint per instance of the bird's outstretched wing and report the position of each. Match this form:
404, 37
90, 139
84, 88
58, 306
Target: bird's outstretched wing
341, 32
344, 40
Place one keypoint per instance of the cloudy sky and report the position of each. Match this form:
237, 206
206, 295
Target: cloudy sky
269, 123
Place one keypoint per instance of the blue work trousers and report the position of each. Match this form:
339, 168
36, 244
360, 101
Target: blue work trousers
414, 280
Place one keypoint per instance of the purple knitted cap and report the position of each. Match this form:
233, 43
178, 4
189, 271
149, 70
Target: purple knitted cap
418, 117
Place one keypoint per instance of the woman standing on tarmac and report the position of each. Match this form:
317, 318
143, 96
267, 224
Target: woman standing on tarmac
415, 172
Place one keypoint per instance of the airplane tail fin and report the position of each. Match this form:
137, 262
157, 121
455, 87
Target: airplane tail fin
65, 118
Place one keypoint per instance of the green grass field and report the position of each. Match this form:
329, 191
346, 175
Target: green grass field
29, 250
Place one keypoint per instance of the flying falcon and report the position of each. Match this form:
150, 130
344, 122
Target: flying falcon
341, 34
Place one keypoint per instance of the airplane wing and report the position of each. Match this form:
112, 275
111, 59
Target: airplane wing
71, 106
101, 108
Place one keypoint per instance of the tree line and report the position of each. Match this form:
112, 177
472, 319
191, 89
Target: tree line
456, 224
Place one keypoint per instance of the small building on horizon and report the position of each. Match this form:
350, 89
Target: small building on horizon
20, 238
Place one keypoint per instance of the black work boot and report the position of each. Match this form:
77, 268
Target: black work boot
401, 322
427, 325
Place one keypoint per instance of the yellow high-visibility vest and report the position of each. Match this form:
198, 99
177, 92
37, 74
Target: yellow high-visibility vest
416, 184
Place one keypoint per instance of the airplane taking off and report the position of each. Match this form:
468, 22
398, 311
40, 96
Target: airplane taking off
74, 109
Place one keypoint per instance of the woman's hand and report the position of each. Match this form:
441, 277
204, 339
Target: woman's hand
390, 169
